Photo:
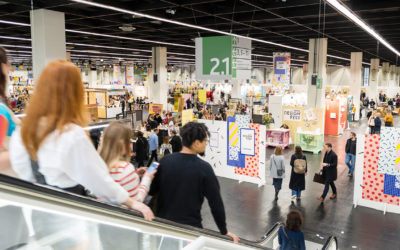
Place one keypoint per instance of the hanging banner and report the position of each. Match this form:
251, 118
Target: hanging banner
281, 77
202, 95
187, 116
117, 74
155, 108
223, 58
129, 75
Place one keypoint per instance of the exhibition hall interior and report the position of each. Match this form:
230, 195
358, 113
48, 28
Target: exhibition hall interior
199, 124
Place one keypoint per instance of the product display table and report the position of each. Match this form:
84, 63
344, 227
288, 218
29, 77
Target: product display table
310, 141
278, 137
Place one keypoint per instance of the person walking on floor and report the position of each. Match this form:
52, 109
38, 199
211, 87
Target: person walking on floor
351, 147
290, 235
371, 123
388, 119
297, 183
141, 149
183, 180
277, 169
329, 171
377, 123
153, 146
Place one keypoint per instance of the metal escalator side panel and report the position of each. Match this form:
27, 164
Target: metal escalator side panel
331, 243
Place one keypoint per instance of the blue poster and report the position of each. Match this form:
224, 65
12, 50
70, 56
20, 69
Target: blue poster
392, 185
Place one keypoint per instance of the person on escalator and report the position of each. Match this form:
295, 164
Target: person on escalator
52, 148
181, 201
290, 236
115, 150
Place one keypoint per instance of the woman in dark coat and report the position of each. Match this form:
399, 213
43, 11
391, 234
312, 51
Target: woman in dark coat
297, 181
141, 149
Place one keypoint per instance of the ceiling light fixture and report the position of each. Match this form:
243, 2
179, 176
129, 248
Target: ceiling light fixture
127, 28
183, 24
15, 38
14, 23
128, 38
353, 17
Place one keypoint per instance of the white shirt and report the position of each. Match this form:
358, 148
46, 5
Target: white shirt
67, 160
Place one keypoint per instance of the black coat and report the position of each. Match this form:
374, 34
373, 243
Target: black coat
297, 181
141, 149
176, 143
330, 171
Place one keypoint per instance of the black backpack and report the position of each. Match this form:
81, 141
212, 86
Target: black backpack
166, 152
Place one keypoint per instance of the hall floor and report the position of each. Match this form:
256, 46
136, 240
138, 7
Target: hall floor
251, 211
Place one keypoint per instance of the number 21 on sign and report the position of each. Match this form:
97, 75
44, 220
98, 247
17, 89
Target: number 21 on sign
217, 62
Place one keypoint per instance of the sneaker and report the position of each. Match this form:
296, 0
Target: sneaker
298, 198
293, 197
320, 199
350, 175
334, 196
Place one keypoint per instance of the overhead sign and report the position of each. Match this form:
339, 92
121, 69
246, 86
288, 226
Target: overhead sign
155, 108
187, 116
129, 75
223, 58
292, 115
281, 70
117, 74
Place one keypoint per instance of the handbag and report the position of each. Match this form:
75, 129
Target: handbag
319, 178
279, 172
287, 237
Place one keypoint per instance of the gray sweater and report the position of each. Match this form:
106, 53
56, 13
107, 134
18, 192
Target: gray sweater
276, 162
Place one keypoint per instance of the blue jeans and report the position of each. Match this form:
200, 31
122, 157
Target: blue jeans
350, 162
296, 192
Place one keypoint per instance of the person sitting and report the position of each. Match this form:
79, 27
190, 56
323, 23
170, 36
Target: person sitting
115, 150
290, 235
183, 181
388, 119
152, 122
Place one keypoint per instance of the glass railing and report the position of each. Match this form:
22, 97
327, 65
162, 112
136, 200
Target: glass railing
39, 217
331, 244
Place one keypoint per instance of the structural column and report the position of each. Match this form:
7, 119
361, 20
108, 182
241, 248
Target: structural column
355, 80
158, 89
316, 78
373, 79
48, 38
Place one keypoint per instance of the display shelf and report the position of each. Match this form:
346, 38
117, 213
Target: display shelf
277, 137
309, 141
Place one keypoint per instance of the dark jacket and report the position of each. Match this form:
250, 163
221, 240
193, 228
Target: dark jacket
297, 181
378, 124
351, 146
141, 149
176, 143
152, 123
330, 171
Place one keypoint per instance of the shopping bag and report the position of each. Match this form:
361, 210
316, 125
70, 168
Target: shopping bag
319, 178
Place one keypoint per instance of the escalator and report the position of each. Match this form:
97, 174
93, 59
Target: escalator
93, 224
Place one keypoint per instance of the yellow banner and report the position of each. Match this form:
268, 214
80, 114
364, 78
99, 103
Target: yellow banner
155, 108
202, 96
187, 116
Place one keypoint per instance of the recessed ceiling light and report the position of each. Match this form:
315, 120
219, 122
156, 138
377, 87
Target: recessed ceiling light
170, 11
127, 28
156, 22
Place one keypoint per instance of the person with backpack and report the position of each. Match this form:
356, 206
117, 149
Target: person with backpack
277, 169
166, 147
290, 235
297, 182
141, 149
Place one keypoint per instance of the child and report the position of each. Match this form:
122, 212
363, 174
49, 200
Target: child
166, 147
115, 149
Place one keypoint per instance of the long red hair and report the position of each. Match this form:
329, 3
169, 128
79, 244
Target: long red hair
58, 100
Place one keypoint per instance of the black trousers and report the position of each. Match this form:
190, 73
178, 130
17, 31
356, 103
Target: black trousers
152, 157
326, 189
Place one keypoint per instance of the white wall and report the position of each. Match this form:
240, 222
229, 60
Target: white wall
298, 77
337, 75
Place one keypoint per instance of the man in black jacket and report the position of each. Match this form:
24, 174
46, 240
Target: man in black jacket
329, 171
183, 180
351, 147
176, 142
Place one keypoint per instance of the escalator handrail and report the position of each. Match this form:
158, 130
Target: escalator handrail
63, 196
329, 242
